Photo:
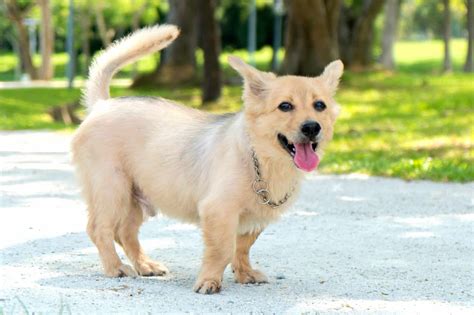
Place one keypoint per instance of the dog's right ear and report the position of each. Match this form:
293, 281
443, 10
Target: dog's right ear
256, 82
332, 74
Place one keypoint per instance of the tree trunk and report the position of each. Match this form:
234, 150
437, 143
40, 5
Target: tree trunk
46, 40
104, 34
211, 45
277, 30
469, 65
178, 61
85, 22
16, 16
364, 33
135, 26
333, 10
392, 12
447, 66
311, 36
25, 56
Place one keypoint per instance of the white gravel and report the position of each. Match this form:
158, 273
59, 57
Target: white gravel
351, 244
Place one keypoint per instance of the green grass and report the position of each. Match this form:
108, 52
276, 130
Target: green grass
411, 56
27, 108
412, 124
414, 127
427, 56
8, 62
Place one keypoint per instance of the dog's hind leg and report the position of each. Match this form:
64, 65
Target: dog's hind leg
107, 197
102, 236
127, 236
243, 272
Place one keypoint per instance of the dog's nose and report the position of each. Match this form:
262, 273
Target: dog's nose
311, 129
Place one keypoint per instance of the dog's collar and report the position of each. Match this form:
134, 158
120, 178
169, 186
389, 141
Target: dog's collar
260, 186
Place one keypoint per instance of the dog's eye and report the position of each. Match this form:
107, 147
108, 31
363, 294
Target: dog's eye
285, 107
319, 106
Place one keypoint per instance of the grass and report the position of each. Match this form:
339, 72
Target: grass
412, 124
9, 62
413, 127
427, 56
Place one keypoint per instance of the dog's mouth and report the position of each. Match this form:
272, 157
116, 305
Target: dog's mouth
303, 154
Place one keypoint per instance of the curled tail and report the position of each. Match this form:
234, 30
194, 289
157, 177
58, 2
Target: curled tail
122, 52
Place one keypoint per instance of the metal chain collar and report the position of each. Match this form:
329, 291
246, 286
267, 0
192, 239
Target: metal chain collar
260, 187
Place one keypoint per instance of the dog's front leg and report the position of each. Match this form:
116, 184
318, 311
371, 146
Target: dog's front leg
243, 271
219, 228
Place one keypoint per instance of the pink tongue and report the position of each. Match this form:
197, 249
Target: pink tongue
305, 158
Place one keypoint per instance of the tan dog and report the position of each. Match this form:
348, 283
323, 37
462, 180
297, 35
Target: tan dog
230, 174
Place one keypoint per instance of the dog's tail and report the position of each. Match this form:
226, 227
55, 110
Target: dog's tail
121, 53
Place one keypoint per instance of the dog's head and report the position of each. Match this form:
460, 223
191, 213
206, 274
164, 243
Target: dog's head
290, 116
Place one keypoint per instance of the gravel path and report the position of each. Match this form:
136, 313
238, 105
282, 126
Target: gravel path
351, 244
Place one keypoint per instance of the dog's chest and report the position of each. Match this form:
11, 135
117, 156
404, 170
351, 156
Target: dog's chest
258, 214
256, 217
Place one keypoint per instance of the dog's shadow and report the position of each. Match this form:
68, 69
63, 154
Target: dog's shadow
74, 266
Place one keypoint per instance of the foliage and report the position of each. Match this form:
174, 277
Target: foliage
418, 19
234, 15
119, 23
421, 19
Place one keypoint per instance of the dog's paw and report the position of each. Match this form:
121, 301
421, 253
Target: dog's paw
207, 286
121, 271
150, 268
250, 276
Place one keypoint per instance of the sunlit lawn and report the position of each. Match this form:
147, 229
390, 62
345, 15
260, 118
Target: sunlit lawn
414, 124
405, 126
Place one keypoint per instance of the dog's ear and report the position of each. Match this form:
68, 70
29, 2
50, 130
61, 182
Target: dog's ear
332, 74
256, 82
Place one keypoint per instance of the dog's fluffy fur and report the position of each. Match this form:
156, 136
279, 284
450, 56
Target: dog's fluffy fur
137, 154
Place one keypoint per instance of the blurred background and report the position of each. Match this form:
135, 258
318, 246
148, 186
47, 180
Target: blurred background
407, 95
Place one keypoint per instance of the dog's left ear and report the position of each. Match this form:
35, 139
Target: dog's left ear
256, 82
332, 74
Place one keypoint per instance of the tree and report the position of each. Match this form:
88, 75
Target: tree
447, 66
85, 23
357, 31
46, 41
277, 27
469, 65
178, 61
105, 34
137, 15
424, 19
16, 12
210, 44
392, 12
319, 31
311, 36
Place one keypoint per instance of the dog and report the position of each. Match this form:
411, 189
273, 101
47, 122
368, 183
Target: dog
230, 174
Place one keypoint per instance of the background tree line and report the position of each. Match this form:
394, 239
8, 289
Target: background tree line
315, 32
